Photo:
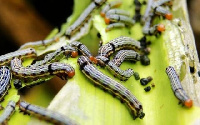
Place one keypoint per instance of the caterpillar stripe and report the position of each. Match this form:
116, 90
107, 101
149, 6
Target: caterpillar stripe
83, 50
5, 59
57, 55
112, 4
34, 73
114, 25
40, 43
117, 12
84, 17
111, 86
45, 114
5, 77
8, 111
177, 87
114, 64
114, 45
121, 74
125, 55
119, 18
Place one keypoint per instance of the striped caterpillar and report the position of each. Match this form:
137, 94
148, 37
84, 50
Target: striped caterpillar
6, 58
177, 87
8, 111
122, 55
152, 9
57, 55
66, 50
5, 77
111, 86
45, 114
117, 17
114, 45
125, 55
40, 43
84, 17
32, 74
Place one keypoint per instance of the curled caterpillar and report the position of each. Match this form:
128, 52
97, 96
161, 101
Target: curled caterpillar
125, 55
114, 45
122, 55
5, 77
45, 114
8, 111
177, 87
111, 86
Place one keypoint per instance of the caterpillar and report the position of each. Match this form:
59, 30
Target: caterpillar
177, 87
114, 25
112, 4
6, 58
117, 12
114, 45
149, 15
123, 75
116, 17
151, 30
45, 114
5, 77
125, 55
8, 111
84, 17
29, 74
40, 43
163, 12
111, 86
122, 55
83, 50
57, 55
119, 18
